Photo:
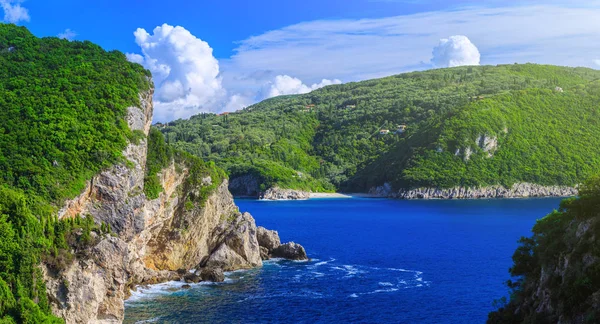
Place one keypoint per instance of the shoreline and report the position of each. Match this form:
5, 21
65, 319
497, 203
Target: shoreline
338, 195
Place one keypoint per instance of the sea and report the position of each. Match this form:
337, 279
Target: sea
372, 261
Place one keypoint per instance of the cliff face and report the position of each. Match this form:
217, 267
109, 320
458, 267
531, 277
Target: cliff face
556, 271
151, 239
519, 190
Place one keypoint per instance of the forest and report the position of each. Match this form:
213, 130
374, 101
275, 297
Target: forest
560, 259
62, 121
464, 126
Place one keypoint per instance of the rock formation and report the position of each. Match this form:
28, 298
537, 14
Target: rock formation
277, 193
153, 240
519, 190
270, 246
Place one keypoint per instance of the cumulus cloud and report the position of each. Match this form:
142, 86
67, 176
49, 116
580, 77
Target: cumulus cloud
287, 85
455, 51
185, 72
13, 12
67, 34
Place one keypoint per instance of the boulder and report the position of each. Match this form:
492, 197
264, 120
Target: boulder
240, 249
186, 287
192, 278
268, 238
212, 274
291, 251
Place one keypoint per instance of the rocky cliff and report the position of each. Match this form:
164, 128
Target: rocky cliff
556, 271
519, 190
153, 240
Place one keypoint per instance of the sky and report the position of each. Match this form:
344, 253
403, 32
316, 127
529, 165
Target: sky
215, 56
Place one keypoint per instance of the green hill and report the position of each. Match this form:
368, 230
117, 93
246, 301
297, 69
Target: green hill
466, 126
62, 109
556, 271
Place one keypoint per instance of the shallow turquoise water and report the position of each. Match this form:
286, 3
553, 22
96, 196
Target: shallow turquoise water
374, 260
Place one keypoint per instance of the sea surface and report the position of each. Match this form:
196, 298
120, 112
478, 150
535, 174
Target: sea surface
373, 261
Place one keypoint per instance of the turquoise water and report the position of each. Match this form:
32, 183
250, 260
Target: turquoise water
374, 260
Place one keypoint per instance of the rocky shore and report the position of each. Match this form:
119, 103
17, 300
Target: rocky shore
153, 240
276, 193
519, 190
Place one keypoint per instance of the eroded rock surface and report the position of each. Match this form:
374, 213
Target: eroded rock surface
277, 193
153, 240
519, 190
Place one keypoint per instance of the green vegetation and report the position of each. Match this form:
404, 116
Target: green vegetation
563, 259
62, 121
329, 139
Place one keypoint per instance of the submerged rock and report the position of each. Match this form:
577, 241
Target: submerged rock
291, 251
186, 287
212, 274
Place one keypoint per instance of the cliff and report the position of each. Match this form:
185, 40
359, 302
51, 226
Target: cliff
519, 190
556, 277
191, 225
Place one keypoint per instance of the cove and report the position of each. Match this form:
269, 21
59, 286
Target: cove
373, 260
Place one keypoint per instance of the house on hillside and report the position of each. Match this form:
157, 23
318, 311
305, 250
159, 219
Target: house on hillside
400, 129
558, 89
224, 114
384, 132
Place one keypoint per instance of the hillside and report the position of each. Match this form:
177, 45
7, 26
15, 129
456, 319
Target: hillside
466, 126
556, 271
62, 120
93, 202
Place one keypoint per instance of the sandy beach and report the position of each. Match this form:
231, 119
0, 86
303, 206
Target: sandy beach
337, 195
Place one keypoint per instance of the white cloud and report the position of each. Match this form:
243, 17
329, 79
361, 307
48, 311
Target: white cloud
185, 72
287, 85
67, 34
237, 102
597, 62
13, 12
357, 49
455, 51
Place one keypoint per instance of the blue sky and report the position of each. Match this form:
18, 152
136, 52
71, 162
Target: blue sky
224, 55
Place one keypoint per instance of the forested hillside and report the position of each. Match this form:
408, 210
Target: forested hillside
62, 120
557, 270
466, 126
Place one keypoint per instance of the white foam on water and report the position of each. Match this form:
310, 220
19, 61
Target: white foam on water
386, 284
354, 296
152, 320
321, 263
152, 291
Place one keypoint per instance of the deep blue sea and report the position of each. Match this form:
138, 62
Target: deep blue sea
373, 261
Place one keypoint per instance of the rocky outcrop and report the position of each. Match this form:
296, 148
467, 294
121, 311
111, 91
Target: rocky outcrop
268, 239
271, 247
519, 190
244, 186
277, 193
153, 240
212, 274
291, 251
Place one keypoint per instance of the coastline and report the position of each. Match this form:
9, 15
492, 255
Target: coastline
338, 195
